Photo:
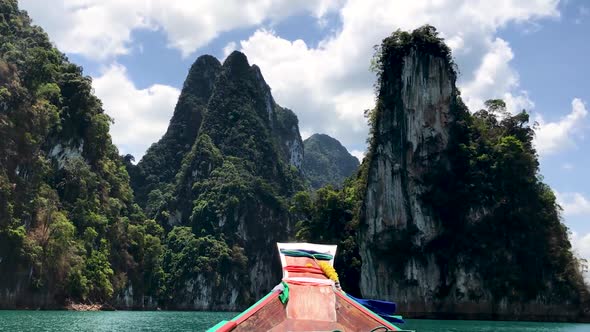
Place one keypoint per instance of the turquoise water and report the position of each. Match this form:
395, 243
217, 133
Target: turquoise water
169, 321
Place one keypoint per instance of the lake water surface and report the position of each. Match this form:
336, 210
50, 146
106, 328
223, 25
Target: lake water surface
169, 321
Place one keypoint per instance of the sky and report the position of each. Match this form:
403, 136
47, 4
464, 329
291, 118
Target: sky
315, 55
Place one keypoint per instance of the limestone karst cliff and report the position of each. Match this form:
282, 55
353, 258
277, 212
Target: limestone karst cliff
162, 160
455, 221
69, 227
447, 215
411, 135
215, 188
232, 186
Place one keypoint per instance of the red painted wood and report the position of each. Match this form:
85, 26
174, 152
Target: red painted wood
303, 269
310, 308
271, 315
311, 303
258, 307
227, 327
303, 261
365, 311
309, 325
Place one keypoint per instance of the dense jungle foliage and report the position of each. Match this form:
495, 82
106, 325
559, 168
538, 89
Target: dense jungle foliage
327, 162
68, 221
71, 228
330, 216
498, 216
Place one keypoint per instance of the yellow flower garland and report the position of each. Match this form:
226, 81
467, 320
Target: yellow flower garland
329, 270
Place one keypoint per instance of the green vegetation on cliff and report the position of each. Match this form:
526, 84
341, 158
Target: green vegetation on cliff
69, 228
519, 244
156, 171
225, 183
330, 216
228, 182
497, 216
326, 161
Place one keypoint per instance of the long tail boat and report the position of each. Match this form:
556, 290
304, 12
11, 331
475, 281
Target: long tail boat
309, 298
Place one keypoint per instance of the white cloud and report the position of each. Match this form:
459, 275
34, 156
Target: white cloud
573, 204
102, 29
305, 134
329, 86
230, 47
577, 205
581, 244
360, 155
141, 115
494, 77
552, 137
95, 28
581, 249
515, 103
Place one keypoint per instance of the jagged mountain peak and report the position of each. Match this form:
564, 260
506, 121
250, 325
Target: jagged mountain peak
237, 63
232, 182
234, 91
206, 59
162, 160
201, 76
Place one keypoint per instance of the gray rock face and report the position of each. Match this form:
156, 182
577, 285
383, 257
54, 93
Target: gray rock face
413, 136
417, 105
286, 130
62, 154
283, 123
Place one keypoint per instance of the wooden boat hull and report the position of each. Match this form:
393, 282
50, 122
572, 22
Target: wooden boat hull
310, 308
307, 299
